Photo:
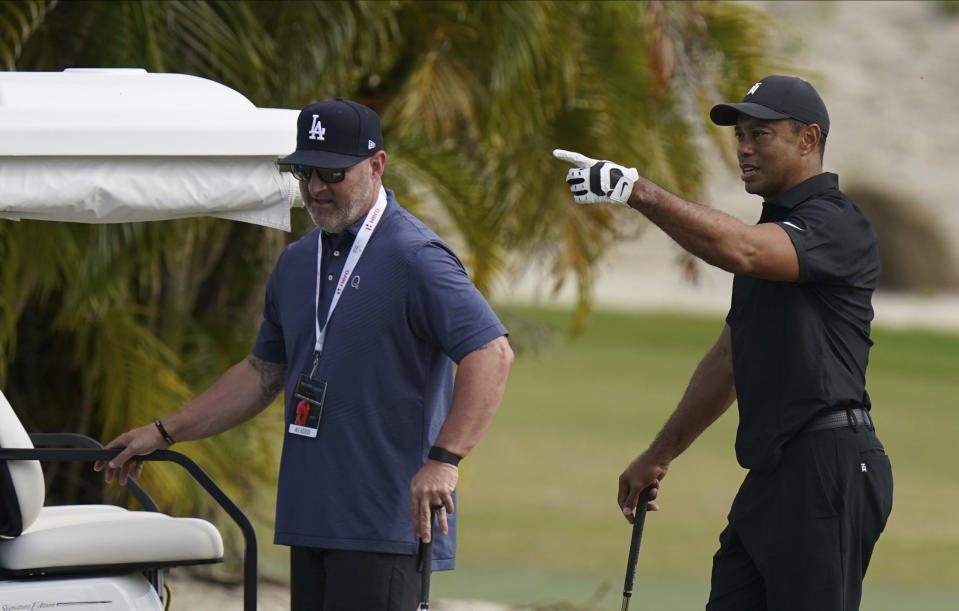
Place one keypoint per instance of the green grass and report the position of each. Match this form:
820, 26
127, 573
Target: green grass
539, 522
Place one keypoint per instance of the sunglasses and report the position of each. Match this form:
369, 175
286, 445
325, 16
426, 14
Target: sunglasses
303, 173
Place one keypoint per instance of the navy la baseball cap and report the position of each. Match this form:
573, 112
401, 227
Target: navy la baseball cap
776, 97
335, 134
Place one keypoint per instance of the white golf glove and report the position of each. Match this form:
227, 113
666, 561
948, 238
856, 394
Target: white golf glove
597, 182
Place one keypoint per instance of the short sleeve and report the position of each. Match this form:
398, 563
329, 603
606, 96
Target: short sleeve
834, 240
269, 344
445, 307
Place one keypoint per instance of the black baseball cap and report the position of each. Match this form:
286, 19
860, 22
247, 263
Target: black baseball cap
776, 97
335, 134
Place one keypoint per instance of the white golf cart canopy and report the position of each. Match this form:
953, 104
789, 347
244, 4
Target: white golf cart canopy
122, 145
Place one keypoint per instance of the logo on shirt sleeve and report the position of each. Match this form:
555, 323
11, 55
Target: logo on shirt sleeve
794, 225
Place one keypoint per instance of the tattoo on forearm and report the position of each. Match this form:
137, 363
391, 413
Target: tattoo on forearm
272, 377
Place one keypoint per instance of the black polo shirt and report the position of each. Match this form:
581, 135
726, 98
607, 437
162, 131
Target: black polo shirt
801, 348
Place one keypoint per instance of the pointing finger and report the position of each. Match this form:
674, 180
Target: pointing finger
576, 159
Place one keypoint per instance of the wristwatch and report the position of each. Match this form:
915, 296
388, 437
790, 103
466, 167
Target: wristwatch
444, 455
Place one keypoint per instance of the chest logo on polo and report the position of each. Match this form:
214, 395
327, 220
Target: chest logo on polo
317, 131
751, 91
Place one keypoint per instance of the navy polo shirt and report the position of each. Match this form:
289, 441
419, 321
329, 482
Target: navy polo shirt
802, 348
407, 314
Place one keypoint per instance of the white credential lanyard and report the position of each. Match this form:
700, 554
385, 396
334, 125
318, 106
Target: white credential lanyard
359, 245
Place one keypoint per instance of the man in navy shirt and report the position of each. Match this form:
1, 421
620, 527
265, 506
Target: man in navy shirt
363, 320
793, 353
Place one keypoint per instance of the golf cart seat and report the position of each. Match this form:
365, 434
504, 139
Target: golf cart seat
71, 539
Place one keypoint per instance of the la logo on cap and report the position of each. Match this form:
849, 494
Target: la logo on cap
317, 131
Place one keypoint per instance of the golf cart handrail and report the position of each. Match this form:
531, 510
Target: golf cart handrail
76, 440
200, 476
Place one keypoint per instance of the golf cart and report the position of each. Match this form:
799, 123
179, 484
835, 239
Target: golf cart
109, 146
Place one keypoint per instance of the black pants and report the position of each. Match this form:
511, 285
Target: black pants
800, 538
340, 580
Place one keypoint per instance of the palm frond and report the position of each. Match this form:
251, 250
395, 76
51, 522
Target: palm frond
19, 19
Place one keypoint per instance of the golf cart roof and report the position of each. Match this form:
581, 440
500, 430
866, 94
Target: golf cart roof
123, 145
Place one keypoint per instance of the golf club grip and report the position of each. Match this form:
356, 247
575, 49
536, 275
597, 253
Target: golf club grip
638, 520
427, 555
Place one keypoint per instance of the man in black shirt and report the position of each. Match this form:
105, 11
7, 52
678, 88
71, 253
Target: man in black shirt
793, 354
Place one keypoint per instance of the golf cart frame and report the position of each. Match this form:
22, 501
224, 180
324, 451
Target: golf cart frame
74, 447
117, 146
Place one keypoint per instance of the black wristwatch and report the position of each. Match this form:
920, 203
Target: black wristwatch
444, 455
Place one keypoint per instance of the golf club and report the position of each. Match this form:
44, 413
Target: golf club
638, 519
426, 555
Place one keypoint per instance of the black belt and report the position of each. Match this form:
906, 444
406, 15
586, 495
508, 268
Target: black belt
852, 417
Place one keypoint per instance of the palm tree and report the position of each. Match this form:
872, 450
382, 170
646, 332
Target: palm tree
117, 323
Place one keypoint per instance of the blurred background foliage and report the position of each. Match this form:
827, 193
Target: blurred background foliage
950, 8
105, 327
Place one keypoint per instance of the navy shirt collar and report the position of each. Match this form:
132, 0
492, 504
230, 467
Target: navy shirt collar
806, 190
345, 236
349, 234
